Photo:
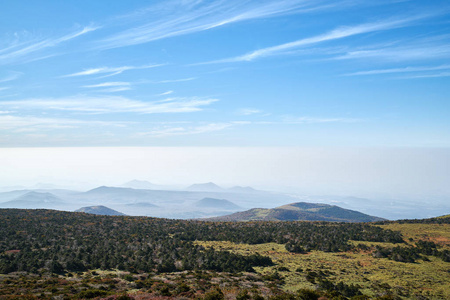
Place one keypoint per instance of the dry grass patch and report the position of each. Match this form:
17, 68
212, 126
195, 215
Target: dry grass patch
373, 275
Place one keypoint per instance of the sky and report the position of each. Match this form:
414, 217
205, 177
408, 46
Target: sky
225, 73
339, 96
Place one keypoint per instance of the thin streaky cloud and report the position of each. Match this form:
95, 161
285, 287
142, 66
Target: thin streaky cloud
11, 77
173, 18
338, 33
410, 52
318, 120
248, 111
110, 104
436, 75
111, 70
176, 80
190, 130
19, 123
165, 93
116, 89
108, 84
22, 51
399, 70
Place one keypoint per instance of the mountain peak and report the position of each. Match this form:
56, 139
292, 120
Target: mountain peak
205, 187
141, 184
214, 203
301, 211
100, 210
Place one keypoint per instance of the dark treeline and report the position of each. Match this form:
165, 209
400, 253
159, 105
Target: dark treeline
298, 236
411, 254
55, 241
439, 220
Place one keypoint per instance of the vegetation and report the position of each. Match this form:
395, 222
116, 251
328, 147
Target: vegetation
46, 254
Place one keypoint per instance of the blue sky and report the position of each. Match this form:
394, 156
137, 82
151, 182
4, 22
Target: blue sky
225, 73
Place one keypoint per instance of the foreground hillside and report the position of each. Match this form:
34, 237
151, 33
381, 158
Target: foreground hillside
47, 254
300, 211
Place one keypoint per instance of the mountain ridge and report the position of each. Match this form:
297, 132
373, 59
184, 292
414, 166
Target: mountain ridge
300, 211
217, 204
100, 210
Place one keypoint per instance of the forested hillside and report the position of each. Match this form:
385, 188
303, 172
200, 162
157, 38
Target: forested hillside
46, 242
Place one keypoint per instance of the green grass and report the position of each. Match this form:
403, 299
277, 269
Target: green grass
373, 275
438, 233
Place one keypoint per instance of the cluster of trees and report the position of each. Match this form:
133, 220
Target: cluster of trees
412, 253
298, 236
36, 240
438, 220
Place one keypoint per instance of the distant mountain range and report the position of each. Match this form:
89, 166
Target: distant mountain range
213, 203
300, 211
100, 210
147, 199
33, 199
205, 187
143, 185
214, 188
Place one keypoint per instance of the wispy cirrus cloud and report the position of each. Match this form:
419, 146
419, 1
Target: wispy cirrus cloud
109, 84
165, 93
411, 52
116, 89
10, 77
318, 120
33, 124
173, 18
176, 80
24, 51
248, 111
435, 75
399, 70
335, 34
187, 130
111, 71
110, 104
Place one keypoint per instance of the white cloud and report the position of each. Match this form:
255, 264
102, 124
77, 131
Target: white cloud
399, 70
173, 18
32, 124
25, 49
109, 84
165, 93
190, 130
115, 89
11, 77
111, 71
435, 75
315, 120
111, 104
338, 33
176, 80
402, 53
248, 111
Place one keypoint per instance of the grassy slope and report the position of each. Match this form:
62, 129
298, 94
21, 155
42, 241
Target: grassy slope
431, 279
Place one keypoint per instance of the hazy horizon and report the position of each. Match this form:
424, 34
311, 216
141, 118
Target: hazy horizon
370, 172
